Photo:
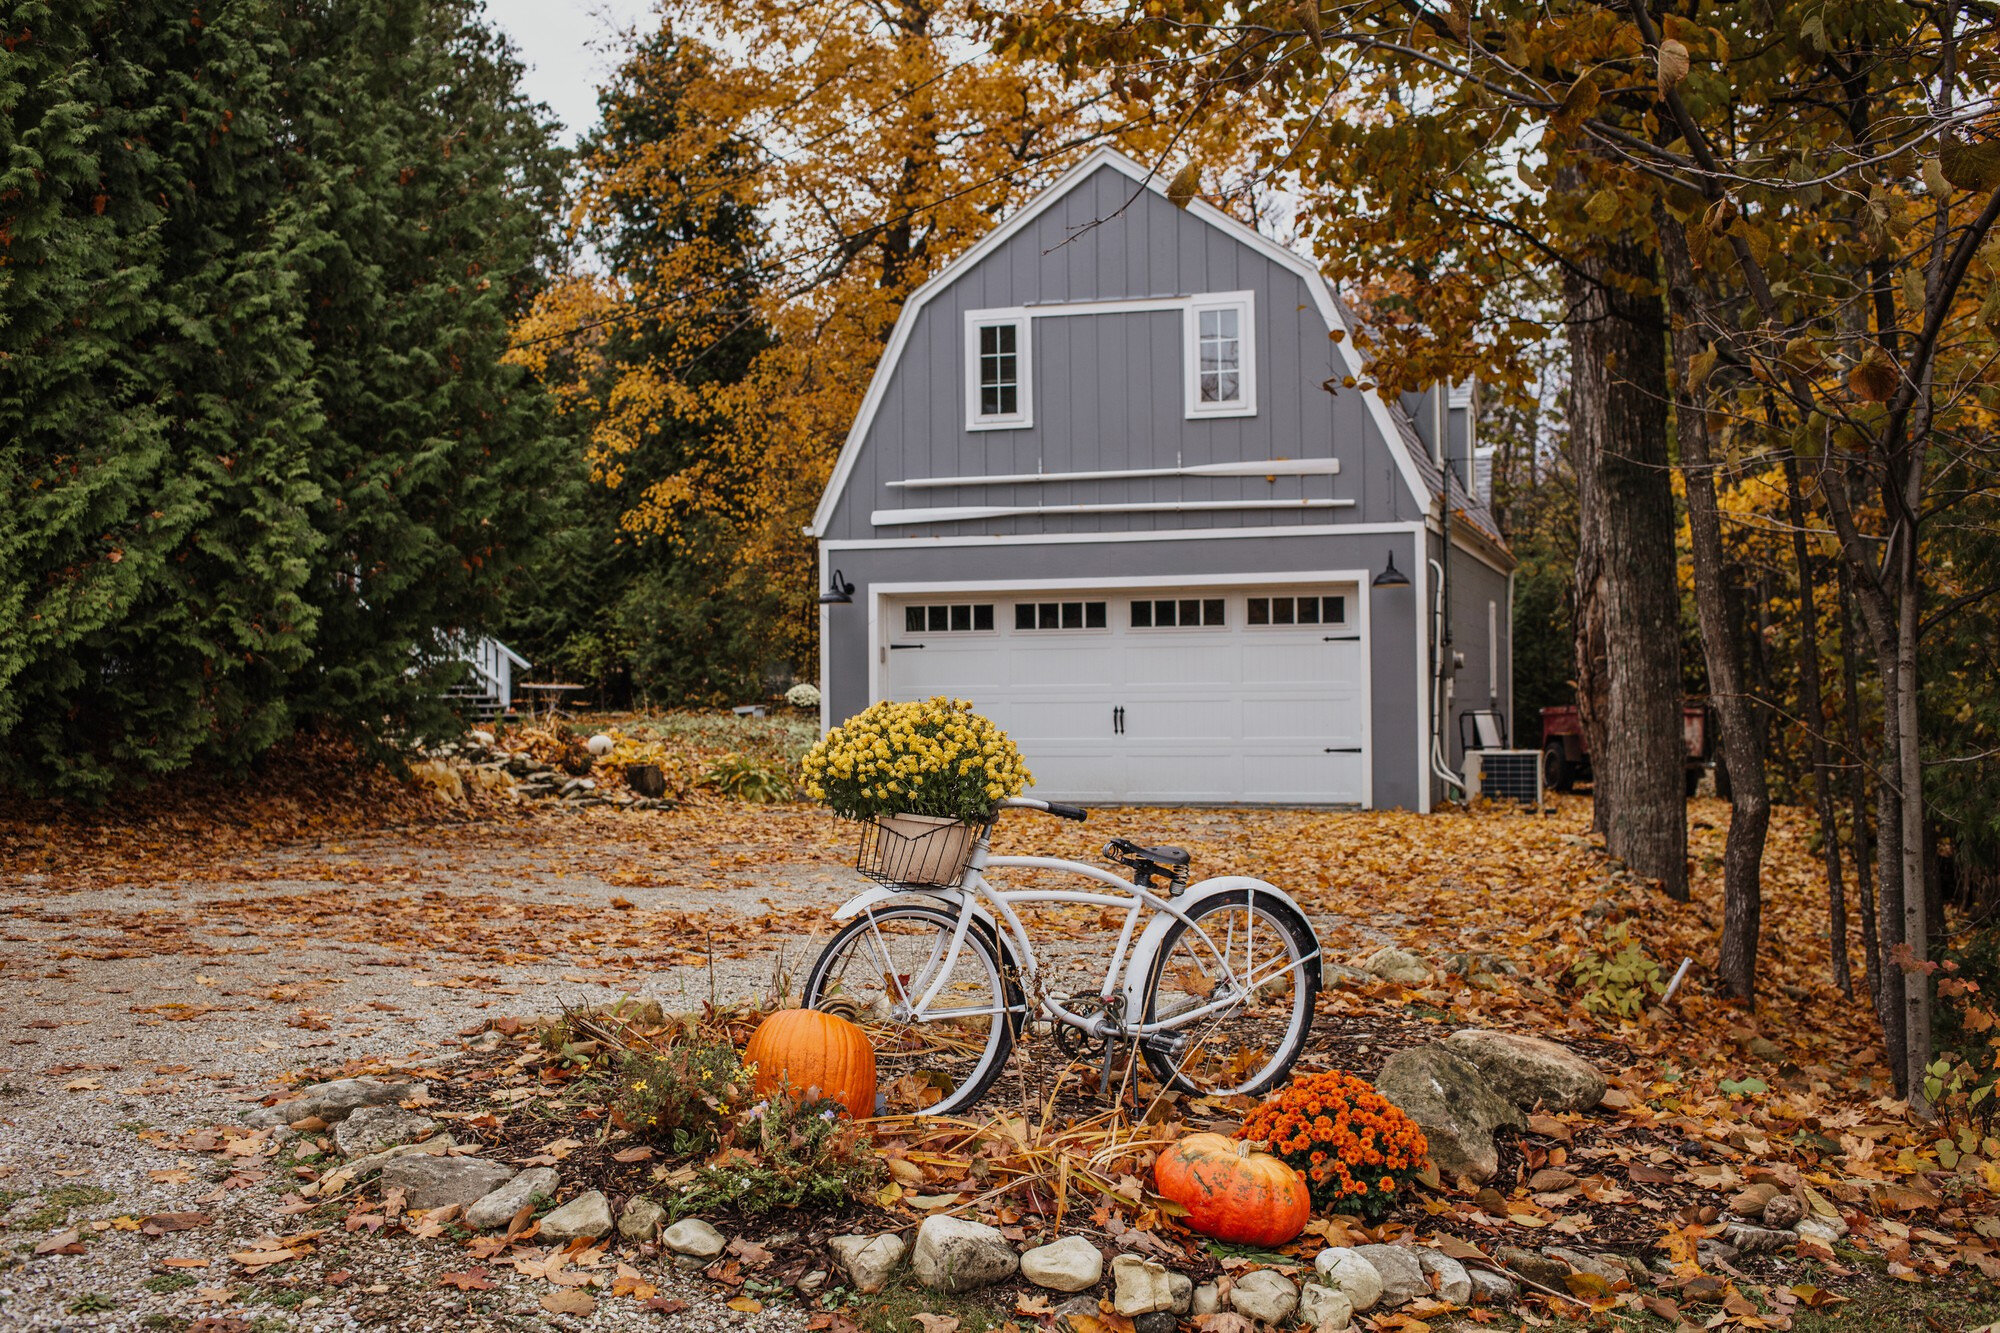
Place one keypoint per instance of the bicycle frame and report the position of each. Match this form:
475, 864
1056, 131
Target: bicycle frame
1125, 975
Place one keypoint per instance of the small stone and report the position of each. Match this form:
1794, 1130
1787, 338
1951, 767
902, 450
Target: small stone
1070, 1264
587, 1214
1611, 1269
439, 1182
1453, 1283
1536, 1268
1350, 1274
1207, 1300
1160, 1321
1325, 1308
1491, 1288
1713, 1253
497, 1208
810, 1284
693, 1237
1070, 1314
1783, 1211
335, 1101
1819, 1227
1265, 1296
1182, 1288
1141, 1286
954, 1255
1759, 1240
1398, 965
641, 1219
1401, 1272
373, 1128
868, 1260
601, 745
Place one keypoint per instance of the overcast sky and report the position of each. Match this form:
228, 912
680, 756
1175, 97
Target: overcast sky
568, 48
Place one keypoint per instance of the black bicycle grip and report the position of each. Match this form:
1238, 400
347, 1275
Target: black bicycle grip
1076, 812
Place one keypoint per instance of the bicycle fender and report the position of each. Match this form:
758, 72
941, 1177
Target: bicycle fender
1148, 947
951, 898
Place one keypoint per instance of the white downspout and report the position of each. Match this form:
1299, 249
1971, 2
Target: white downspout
1440, 768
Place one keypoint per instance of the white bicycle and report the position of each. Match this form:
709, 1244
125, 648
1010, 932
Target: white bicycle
1214, 981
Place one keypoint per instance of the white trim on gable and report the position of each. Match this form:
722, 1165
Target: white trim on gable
899, 337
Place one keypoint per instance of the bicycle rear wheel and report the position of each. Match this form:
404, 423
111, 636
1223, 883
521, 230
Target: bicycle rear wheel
1262, 998
876, 969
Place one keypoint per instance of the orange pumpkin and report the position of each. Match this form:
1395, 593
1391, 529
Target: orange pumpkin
1233, 1193
811, 1051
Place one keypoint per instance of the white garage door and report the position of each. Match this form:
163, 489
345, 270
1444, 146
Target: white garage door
1196, 694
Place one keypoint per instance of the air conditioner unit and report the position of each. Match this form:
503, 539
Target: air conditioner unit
1504, 775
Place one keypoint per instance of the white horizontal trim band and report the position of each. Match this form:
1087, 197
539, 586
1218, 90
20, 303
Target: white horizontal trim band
883, 518
1270, 467
917, 541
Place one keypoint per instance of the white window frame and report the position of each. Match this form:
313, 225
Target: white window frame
1024, 415
1245, 306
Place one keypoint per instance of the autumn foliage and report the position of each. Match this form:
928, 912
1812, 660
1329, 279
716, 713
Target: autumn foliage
1354, 1148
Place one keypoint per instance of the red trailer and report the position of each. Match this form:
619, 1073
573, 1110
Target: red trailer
1566, 755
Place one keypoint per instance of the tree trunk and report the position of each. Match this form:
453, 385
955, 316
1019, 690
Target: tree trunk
1910, 776
1858, 769
1625, 559
1741, 715
1814, 708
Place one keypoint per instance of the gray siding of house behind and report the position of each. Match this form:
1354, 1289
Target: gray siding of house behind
1108, 392
1474, 587
1396, 764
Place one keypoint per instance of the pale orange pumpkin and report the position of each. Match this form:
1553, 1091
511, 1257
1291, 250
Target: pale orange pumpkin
814, 1052
1232, 1192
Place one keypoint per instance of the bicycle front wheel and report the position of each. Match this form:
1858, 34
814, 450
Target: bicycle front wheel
941, 1059
1236, 971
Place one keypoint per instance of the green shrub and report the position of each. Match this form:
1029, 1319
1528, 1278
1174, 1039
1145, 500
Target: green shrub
749, 779
684, 1099
1617, 979
787, 1153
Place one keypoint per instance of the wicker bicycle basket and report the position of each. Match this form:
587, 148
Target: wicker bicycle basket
915, 849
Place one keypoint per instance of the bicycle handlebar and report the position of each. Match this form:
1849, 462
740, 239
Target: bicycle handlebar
1076, 812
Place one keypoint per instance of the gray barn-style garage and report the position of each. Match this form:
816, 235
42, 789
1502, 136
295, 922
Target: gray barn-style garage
1100, 486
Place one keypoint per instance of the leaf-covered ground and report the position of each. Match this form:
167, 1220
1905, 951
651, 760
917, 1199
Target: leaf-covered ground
168, 965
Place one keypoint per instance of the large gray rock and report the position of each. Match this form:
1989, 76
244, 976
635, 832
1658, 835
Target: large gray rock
1347, 1272
693, 1237
1070, 1264
439, 1182
1325, 1308
1453, 1283
868, 1260
1536, 1268
1610, 1268
335, 1101
1402, 1273
1140, 1286
373, 1128
641, 1220
954, 1255
1265, 1296
1529, 1071
1455, 1107
338, 1179
588, 1214
497, 1207
1399, 965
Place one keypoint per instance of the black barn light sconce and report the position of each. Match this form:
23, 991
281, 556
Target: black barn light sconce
1391, 577
839, 592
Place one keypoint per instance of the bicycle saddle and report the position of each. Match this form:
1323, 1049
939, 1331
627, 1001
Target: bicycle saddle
1166, 860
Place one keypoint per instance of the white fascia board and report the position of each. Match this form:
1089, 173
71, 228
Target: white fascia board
885, 518
1142, 176
1269, 467
920, 542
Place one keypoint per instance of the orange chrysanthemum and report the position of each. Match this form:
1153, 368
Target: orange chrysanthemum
1355, 1148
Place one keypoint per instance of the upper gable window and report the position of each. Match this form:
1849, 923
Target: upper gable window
1221, 370
997, 391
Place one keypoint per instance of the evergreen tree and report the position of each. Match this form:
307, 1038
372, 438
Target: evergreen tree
249, 354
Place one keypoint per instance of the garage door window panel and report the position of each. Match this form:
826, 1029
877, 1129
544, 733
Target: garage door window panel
1060, 615
1180, 613
1267, 611
948, 618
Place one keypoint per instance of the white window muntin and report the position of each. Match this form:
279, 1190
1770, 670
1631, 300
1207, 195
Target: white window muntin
1219, 333
998, 357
